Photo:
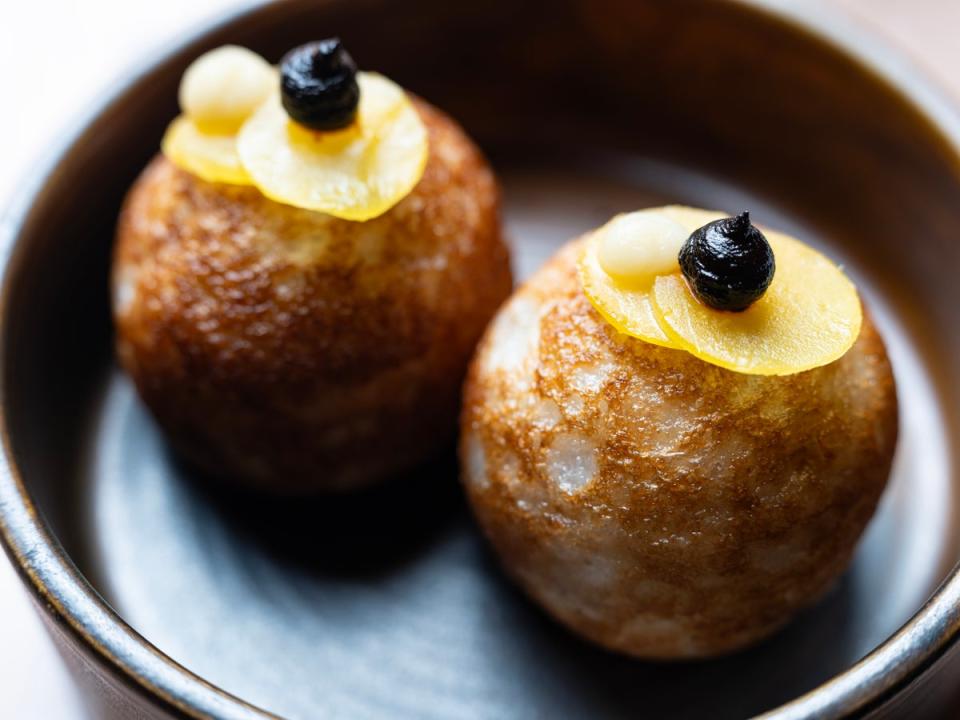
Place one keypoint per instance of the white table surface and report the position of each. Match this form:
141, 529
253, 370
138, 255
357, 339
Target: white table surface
93, 40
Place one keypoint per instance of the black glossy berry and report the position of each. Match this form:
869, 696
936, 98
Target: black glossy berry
318, 85
728, 263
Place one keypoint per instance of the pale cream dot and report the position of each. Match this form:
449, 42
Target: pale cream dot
124, 291
590, 377
223, 87
476, 461
640, 245
573, 405
546, 414
508, 468
571, 462
515, 337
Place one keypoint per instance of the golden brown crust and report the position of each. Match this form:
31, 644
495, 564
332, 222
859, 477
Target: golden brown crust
295, 351
716, 504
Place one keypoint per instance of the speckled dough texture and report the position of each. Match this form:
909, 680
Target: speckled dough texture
656, 504
295, 352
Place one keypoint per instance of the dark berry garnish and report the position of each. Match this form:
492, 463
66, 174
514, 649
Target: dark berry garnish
318, 84
728, 263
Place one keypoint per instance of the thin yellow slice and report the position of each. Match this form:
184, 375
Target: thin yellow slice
809, 316
356, 173
628, 307
212, 157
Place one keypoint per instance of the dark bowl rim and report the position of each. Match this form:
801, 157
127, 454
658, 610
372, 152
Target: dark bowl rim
75, 608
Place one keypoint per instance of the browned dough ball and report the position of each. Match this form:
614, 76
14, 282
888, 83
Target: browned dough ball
292, 351
656, 504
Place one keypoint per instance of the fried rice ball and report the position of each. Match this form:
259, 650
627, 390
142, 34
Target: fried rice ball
294, 352
658, 505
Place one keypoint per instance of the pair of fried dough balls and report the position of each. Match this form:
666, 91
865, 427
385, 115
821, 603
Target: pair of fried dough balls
656, 504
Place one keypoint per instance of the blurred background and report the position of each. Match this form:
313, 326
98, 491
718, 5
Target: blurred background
58, 56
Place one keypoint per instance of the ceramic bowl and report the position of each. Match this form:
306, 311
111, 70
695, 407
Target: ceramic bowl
170, 598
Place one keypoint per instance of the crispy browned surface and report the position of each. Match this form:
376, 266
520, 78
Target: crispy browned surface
718, 503
294, 351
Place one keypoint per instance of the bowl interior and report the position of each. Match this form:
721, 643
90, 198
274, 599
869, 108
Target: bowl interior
387, 603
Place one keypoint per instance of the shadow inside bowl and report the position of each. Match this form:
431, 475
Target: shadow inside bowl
357, 535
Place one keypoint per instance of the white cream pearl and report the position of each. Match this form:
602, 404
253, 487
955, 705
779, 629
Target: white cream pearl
640, 245
223, 87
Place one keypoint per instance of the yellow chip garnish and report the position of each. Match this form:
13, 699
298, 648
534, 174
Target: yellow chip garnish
356, 173
210, 156
625, 305
808, 317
